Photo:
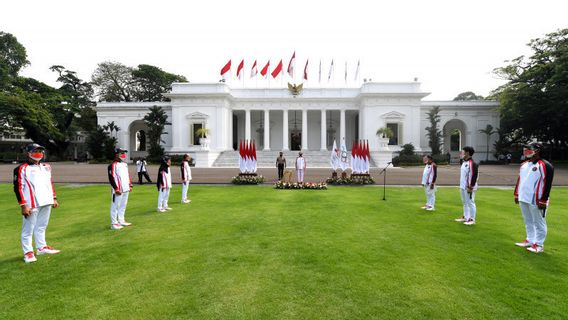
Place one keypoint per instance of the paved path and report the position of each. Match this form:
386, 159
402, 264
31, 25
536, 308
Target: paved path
490, 175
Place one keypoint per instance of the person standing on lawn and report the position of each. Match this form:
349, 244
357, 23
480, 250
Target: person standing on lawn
185, 177
164, 184
300, 167
468, 186
142, 170
280, 165
119, 179
532, 195
36, 195
429, 176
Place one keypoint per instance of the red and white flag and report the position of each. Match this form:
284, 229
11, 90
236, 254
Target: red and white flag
306, 71
253, 70
291, 65
277, 70
264, 71
253, 156
367, 157
242, 163
226, 69
240, 69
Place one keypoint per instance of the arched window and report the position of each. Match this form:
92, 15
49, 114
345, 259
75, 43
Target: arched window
455, 140
141, 140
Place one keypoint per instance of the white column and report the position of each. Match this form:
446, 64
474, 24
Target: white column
266, 130
304, 129
323, 132
247, 124
342, 126
285, 130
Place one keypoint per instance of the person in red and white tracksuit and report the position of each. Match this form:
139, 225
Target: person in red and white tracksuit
468, 186
185, 177
532, 194
429, 176
121, 184
36, 195
164, 184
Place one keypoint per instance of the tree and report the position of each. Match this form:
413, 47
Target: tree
113, 82
488, 131
156, 120
533, 103
467, 96
152, 82
385, 132
13, 57
432, 132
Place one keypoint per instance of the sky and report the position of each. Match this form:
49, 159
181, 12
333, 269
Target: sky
450, 46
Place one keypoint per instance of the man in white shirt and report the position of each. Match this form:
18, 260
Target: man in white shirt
142, 170
185, 177
300, 167
532, 194
468, 186
36, 196
121, 184
429, 176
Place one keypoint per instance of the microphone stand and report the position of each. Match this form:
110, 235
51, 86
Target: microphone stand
385, 180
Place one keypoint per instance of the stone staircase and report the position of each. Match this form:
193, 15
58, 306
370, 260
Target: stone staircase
267, 159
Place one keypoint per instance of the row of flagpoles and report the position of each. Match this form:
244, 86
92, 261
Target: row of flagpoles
247, 156
226, 71
358, 162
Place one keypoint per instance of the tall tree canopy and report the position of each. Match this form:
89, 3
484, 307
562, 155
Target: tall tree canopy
433, 132
467, 96
534, 101
13, 57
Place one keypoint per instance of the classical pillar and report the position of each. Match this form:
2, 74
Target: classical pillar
304, 129
247, 124
285, 130
342, 126
323, 143
266, 130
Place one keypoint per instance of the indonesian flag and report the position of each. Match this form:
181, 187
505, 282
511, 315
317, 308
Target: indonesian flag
253, 70
264, 71
253, 156
330, 71
367, 157
334, 159
226, 69
240, 69
291, 65
306, 71
354, 161
241, 157
277, 70
247, 156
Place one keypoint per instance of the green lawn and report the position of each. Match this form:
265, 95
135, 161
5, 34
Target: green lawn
253, 252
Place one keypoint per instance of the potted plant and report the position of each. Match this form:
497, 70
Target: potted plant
384, 134
203, 140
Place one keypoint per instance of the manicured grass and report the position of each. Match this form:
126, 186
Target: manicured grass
253, 252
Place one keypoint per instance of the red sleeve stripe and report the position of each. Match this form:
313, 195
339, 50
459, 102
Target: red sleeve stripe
20, 184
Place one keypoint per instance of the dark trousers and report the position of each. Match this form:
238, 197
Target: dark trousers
280, 171
145, 174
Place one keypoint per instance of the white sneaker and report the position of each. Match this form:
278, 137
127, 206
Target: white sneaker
469, 222
535, 248
29, 257
168, 208
47, 250
524, 244
161, 210
116, 226
125, 224
185, 201
424, 207
430, 209
462, 219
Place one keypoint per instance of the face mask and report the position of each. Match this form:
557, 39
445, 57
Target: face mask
528, 153
36, 156
122, 156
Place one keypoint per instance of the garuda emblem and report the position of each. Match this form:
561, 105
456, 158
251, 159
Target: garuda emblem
295, 89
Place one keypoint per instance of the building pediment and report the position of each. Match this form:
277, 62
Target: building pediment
197, 115
393, 115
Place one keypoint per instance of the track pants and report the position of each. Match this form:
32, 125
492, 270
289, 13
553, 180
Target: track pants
35, 225
535, 222
184, 189
300, 175
468, 201
163, 198
430, 196
118, 207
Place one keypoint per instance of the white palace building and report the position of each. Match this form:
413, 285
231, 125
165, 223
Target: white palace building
309, 119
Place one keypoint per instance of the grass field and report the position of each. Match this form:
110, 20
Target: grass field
253, 252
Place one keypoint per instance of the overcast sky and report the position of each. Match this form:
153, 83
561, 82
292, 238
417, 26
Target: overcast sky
450, 46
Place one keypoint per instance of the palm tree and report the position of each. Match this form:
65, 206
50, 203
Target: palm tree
488, 131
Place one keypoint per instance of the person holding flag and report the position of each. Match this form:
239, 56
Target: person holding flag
429, 176
532, 195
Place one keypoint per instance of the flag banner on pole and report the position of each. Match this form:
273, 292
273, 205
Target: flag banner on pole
344, 157
330, 71
277, 70
240, 69
264, 71
291, 65
242, 163
357, 70
367, 157
306, 71
253, 70
335, 155
354, 162
253, 156
226, 69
